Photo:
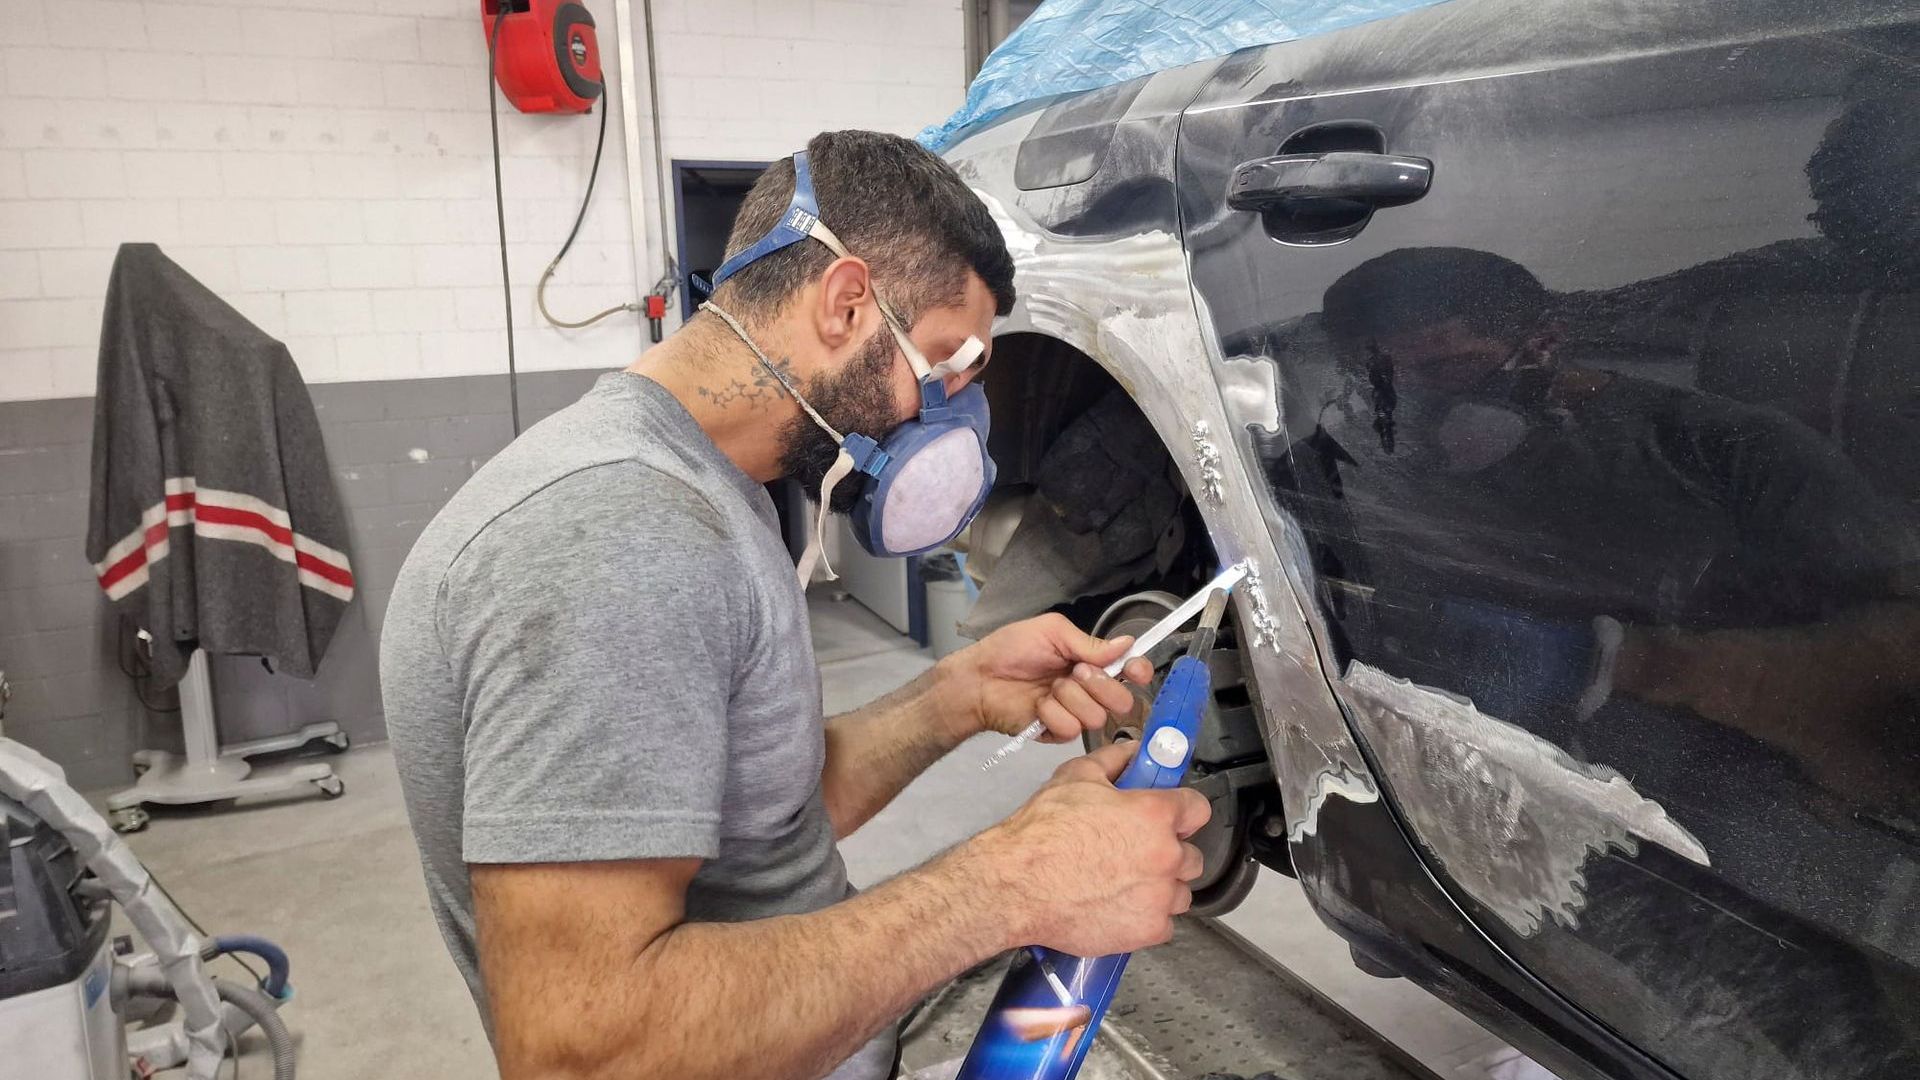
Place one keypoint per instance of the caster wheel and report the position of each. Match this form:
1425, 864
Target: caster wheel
333, 787
337, 744
130, 820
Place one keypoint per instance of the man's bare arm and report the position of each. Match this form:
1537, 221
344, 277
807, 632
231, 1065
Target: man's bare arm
641, 993
1044, 668
590, 971
876, 750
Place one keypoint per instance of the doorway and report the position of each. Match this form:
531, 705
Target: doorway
707, 195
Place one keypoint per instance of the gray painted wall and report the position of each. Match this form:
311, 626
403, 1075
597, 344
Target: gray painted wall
58, 637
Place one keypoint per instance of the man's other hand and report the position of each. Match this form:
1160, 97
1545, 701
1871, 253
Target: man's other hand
1091, 870
1044, 669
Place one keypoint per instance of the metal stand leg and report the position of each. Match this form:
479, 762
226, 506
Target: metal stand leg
206, 773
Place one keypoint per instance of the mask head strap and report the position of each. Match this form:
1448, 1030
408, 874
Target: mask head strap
802, 214
802, 222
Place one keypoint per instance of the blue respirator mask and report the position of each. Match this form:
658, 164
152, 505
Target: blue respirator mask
929, 477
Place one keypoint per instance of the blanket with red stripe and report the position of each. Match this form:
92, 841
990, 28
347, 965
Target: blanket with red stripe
214, 520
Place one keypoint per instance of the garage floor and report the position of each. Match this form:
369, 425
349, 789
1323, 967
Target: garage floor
338, 884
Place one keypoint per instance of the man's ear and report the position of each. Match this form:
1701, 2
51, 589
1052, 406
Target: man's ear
846, 290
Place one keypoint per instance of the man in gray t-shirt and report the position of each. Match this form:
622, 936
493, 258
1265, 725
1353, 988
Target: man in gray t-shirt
607, 717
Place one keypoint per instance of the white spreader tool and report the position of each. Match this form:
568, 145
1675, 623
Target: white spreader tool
1142, 645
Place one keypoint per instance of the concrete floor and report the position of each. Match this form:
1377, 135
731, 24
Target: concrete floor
337, 883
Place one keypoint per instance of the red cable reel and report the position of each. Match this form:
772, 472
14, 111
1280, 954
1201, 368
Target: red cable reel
548, 59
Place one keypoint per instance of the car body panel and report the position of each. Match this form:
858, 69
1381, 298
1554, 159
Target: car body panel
1489, 510
1122, 298
1666, 894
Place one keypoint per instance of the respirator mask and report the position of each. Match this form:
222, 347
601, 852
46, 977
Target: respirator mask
1453, 431
926, 480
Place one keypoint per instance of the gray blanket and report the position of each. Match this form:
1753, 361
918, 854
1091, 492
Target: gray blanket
214, 519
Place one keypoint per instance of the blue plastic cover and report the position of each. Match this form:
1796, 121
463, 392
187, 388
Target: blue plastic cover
1071, 45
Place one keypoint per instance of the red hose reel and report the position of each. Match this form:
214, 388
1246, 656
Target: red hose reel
548, 60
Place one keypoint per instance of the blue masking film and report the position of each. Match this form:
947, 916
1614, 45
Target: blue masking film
1072, 45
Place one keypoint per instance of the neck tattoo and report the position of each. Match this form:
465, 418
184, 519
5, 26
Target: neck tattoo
757, 392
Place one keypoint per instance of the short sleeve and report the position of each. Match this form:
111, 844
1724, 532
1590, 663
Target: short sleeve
590, 632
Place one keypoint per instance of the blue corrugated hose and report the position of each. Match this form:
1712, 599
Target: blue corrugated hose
276, 959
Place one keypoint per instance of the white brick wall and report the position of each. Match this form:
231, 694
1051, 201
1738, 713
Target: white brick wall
752, 80
324, 165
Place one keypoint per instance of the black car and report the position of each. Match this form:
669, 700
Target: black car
1553, 365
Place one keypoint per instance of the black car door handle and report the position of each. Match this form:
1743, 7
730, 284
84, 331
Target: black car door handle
1377, 180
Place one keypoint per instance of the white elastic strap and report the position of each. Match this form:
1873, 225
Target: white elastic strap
962, 358
773, 371
816, 551
915, 359
842, 463
825, 235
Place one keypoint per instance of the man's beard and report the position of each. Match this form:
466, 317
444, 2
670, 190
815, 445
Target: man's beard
857, 398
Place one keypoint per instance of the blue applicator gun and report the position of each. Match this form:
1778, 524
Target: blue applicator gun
1042, 1022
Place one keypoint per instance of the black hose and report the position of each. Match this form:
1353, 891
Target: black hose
593, 174
540, 290
500, 209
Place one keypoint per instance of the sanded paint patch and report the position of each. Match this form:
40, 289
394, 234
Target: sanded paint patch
1510, 817
1249, 387
1127, 302
1328, 782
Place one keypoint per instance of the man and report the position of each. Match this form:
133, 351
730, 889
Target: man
607, 716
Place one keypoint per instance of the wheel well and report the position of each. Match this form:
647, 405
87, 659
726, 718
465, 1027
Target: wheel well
1042, 389
1036, 386
1045, 396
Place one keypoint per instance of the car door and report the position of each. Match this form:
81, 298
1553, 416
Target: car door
1577, 341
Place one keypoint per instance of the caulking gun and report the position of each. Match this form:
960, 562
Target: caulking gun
1042, 1022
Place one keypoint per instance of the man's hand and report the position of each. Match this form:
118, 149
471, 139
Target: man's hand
592, 971
1091, 870
1044, 668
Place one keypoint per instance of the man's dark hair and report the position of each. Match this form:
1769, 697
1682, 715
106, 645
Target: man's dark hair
1861, 175
1414, 288
894, 204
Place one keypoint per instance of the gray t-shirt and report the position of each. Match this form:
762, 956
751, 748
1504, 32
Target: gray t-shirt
599, 650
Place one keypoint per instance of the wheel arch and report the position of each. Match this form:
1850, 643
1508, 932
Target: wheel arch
1124, 303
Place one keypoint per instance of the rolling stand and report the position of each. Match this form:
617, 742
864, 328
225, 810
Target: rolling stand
209, 772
